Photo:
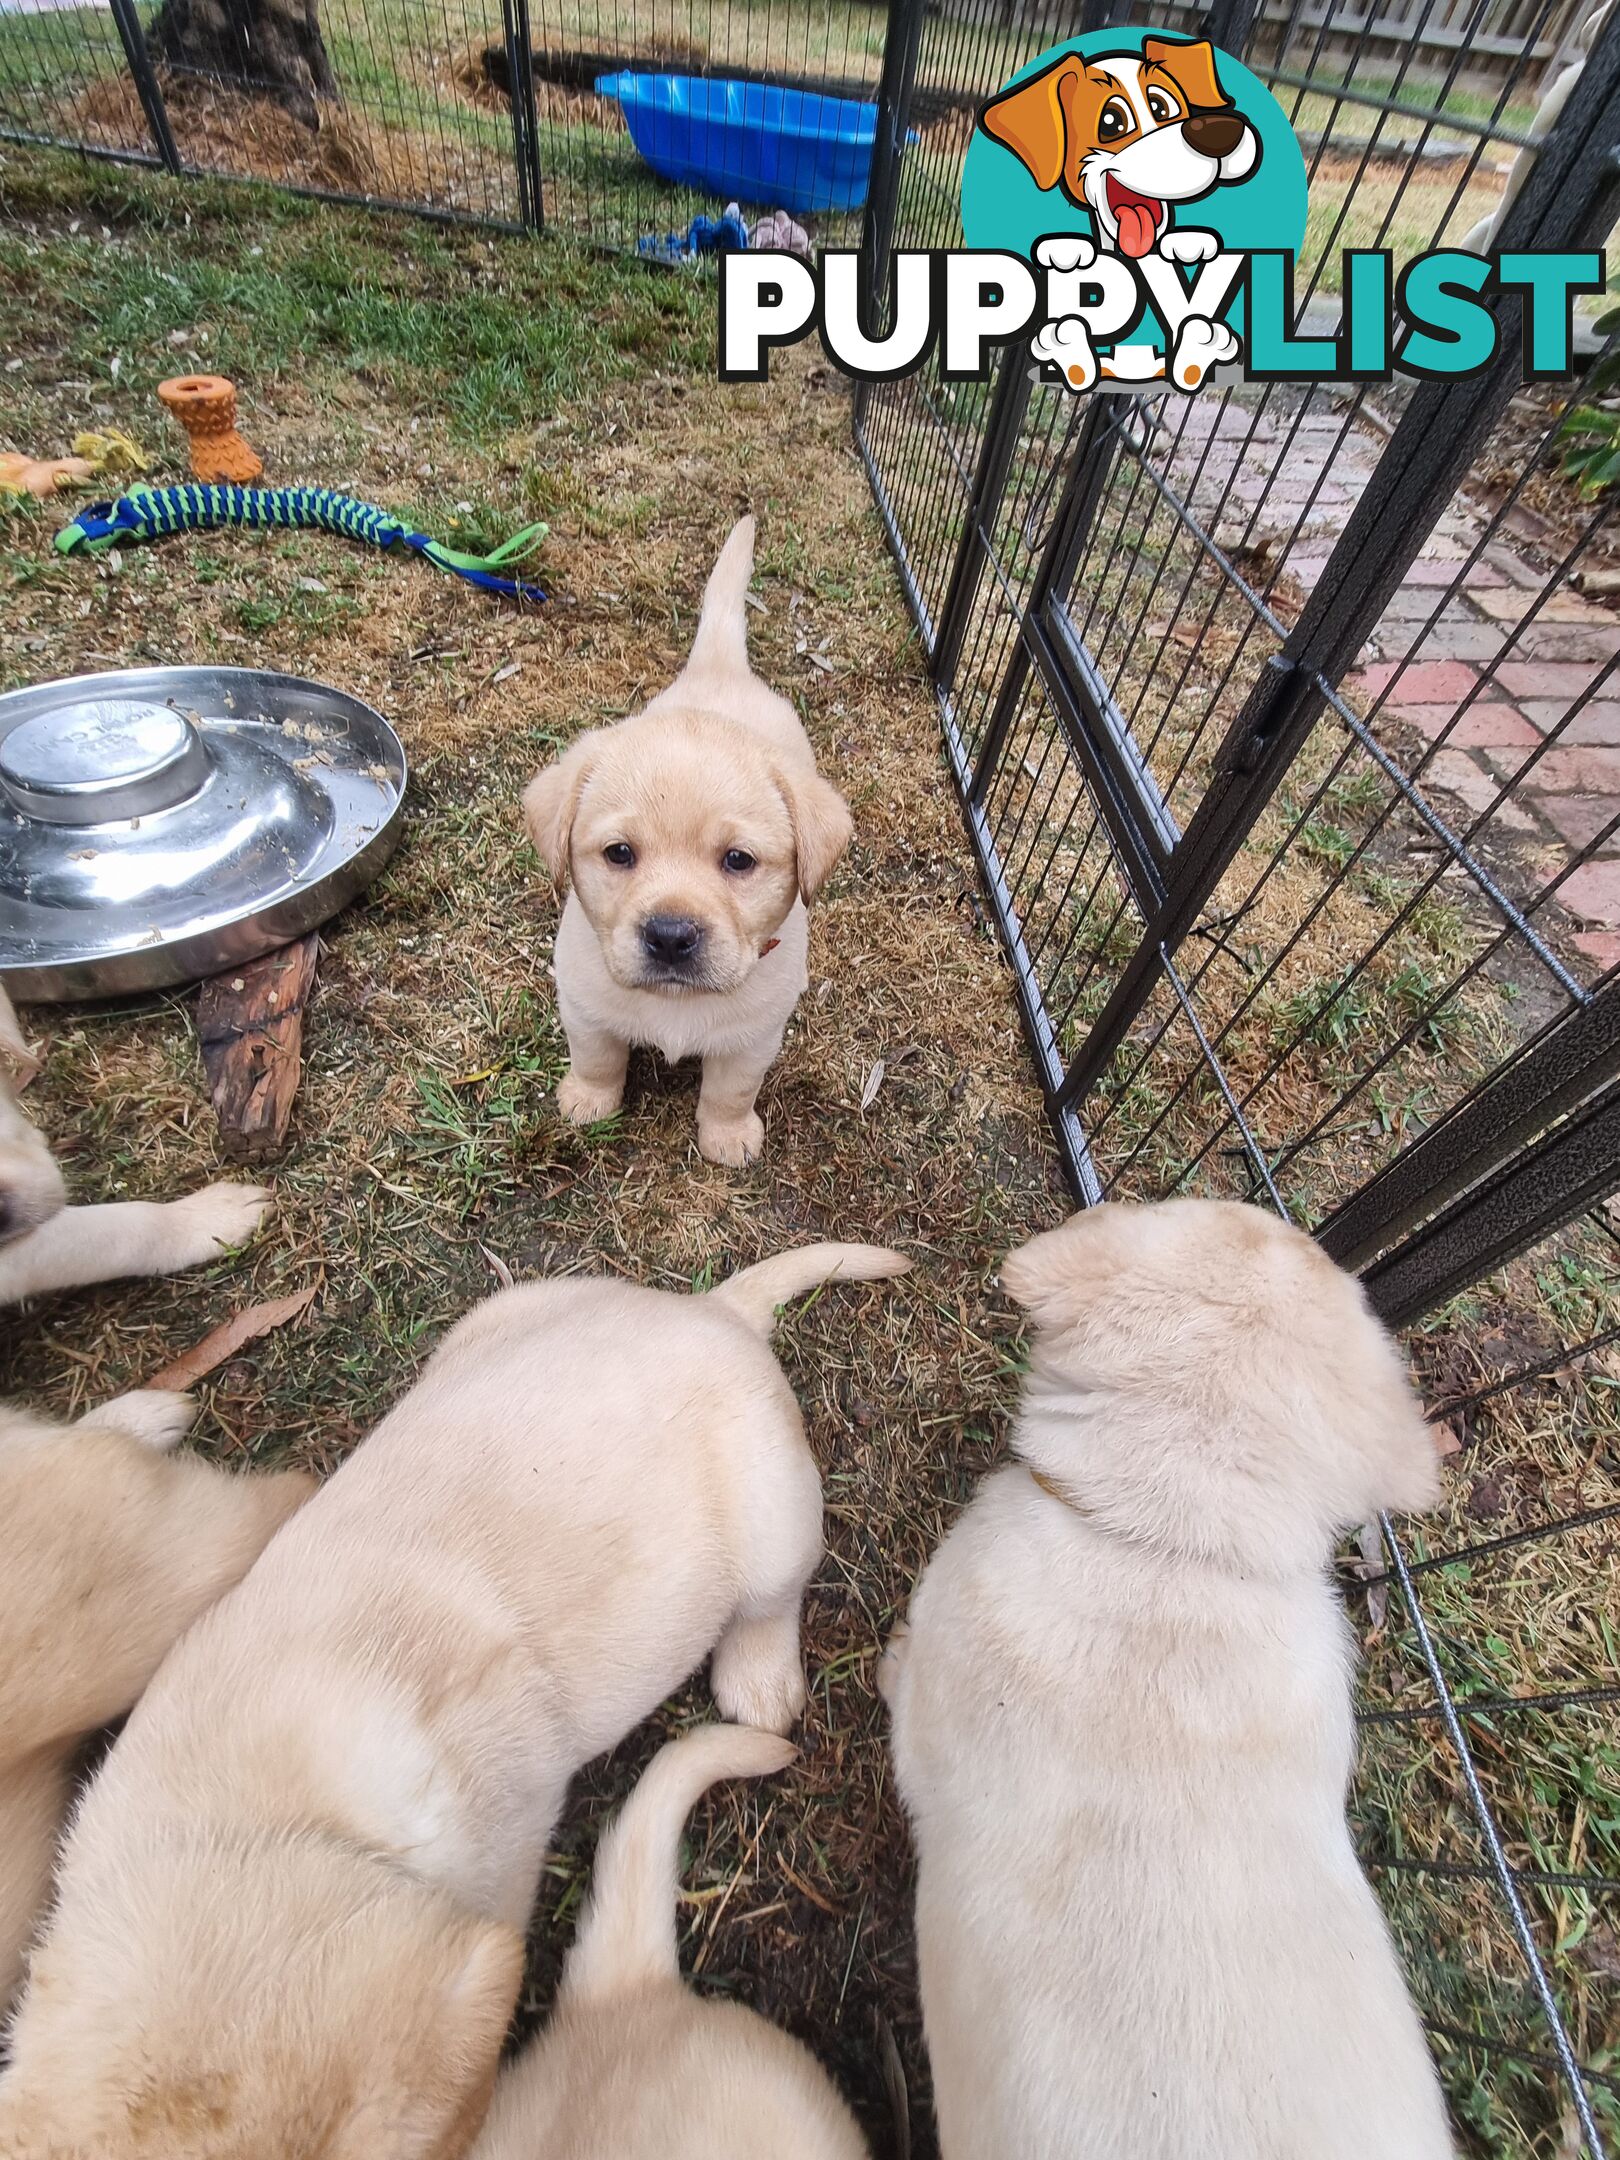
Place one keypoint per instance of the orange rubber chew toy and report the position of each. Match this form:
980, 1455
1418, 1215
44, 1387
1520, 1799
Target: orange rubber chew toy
205, 406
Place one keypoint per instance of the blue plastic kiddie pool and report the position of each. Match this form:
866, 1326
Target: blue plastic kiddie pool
783, 149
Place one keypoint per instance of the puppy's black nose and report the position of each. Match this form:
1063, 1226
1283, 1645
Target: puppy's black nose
672, 940
1215, 134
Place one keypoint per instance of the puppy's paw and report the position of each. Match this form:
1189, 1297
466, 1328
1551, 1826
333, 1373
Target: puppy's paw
892, 1662
156, 1417
583, 1104
757, 1675
207, 1223
773, 1703
1065, 252
735, 1142
1200, 346
1190, 246
1066, 345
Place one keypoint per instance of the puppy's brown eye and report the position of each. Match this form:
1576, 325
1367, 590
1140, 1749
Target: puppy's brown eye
1162, 105
737, 860
1115, 120
620, 854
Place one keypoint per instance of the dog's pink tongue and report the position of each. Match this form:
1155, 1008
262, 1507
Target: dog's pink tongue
1137, 227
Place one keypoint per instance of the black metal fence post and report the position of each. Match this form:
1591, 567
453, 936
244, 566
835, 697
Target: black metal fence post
901, 44
144, 76
1569, 201
525, 118
1406, 1227
1008, 403
1227, 23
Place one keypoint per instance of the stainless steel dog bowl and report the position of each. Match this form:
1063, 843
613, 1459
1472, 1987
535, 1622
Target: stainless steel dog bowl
160, 824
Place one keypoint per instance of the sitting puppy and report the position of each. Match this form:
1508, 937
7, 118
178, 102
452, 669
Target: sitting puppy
1122, 1723
45, 1245
109, 1548
290, 1910
694, 834
633, 2065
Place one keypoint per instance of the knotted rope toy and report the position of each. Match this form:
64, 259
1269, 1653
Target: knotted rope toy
153, 513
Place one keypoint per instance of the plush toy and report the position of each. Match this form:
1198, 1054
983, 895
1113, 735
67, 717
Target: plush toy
39, 477
111, 451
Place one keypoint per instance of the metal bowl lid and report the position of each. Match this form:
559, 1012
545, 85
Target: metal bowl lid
163, 823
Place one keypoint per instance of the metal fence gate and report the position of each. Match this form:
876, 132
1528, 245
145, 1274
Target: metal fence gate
1215, 675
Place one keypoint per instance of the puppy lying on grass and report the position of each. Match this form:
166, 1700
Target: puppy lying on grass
633, 2065
110, 1546
694, 835
290, 1912
1122, 1722
46, 1245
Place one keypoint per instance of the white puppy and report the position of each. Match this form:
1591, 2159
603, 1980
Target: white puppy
110, 1546
290, 1911
693, 836
1122, 1722
633, 2065
45, 1245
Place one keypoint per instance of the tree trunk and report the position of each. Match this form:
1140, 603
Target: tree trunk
273, 47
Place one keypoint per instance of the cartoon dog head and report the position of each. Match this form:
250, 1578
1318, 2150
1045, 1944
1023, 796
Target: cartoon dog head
1128, 135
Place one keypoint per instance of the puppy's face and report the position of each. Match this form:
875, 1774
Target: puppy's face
1127, 136
31, 1188
1241, 1379
263, 2020
686, 847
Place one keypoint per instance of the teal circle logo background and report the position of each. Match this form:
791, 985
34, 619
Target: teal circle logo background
1003, 208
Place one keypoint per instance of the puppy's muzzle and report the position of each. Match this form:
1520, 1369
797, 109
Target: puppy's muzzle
1215, 134
674, 945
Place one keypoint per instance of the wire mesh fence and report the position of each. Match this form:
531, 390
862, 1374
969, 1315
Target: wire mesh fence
619, 124
1273, 713
1278, 717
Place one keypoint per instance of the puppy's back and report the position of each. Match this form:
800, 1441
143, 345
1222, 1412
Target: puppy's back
1141, 1925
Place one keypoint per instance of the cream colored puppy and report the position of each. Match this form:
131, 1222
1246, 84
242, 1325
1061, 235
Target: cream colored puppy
692, 836
633, 2065
110, 1547
290, 1911
1122, 1720
45, 1245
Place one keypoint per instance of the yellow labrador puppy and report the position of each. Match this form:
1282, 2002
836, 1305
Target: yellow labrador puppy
1122, 1721
110, 1546
692, 836
46, 1245
634, 2066
290, 1912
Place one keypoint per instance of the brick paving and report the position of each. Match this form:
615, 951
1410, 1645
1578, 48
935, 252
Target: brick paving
1500, 696
1506, 682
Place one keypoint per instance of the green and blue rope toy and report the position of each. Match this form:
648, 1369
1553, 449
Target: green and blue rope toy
147, 513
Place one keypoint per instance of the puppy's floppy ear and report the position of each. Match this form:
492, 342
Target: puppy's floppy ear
1192, 66
1029, 120
1048, 1274
822, 828
16, 1058
551, 801
1383, 1426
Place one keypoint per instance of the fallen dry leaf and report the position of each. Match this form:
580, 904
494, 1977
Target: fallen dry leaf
230, 1336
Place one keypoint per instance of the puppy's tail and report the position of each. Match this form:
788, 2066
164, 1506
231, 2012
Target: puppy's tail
721, 644
627, 1937
754, 1293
